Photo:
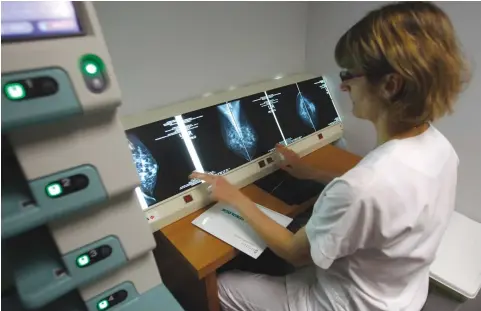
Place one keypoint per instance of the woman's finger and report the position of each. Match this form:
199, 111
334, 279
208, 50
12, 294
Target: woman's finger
208, 178
282, 149
286, 152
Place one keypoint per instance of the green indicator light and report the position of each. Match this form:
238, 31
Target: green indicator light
54, 190
91, 65
103, 304
91, 68
82, 261
14, 91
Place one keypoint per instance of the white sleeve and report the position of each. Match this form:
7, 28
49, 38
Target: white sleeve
340, 224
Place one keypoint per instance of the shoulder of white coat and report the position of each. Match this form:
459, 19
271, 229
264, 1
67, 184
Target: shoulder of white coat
368, 173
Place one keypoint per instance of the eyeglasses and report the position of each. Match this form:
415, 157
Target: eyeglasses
346, 75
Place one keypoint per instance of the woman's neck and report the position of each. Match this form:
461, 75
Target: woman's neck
383, 134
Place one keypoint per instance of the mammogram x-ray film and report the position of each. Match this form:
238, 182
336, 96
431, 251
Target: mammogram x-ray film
161, 159
239, 135
295, 115
306, 111
214, 139
315, 102
146, 167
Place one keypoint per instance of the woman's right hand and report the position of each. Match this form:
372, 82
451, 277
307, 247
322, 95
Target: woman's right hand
293, 165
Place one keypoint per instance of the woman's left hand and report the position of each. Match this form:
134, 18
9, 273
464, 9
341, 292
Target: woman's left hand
221, 189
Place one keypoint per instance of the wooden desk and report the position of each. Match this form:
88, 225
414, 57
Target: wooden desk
187, 255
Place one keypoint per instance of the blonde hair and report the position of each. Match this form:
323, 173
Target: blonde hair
417, 41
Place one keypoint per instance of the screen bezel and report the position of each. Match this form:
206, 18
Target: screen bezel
77, 9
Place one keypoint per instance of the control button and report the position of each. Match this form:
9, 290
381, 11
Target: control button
67, 185
54, 190
320, 136
97, 83
122, 294
31, 88
106, 251
93, 256
188, 198
91, 68
262, 164
112, 300
94, 74
91, 65
44, 86
83, 260
15, 91
269, 160
102, 305
80, 181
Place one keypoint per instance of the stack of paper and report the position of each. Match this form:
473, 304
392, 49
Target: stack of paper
225, 223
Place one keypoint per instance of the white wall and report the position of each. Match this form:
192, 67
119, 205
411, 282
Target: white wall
166, 52
327, 21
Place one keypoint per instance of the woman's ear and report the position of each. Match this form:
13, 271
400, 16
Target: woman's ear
391, 86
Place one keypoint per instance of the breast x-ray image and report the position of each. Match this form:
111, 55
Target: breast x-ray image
238, 134
295, 113
315, 104
306, 111
215, 138
146, 167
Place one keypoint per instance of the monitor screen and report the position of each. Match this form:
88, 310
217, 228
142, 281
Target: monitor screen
220, 138
26, 20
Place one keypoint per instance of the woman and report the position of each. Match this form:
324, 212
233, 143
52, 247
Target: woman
374, 231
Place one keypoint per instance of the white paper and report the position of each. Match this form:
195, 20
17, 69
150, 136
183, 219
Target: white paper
225, 222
